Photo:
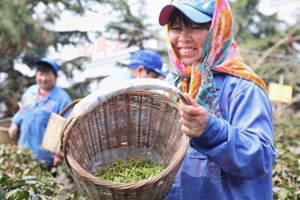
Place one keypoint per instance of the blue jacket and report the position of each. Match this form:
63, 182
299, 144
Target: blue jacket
32, 119
233, 158
117, 78
121, 75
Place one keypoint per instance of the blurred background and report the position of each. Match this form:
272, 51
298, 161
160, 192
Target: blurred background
90, 39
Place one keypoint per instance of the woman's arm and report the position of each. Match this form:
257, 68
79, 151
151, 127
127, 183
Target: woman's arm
241, 145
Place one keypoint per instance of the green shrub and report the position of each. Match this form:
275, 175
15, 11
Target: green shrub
286, 171
22, 177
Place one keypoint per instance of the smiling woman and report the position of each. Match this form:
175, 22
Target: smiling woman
38, 102
187, 37
223, 93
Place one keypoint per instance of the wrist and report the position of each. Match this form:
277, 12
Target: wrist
59, 156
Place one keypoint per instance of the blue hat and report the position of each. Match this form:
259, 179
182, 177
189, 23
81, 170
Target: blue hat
199, 11
52, 63
149, 59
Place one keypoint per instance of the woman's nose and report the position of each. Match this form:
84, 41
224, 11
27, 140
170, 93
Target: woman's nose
42, 78
184, 36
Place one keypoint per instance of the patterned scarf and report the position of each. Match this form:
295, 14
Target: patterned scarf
220, 53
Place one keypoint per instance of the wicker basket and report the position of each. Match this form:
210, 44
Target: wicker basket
4, 136
51, 139
127, 121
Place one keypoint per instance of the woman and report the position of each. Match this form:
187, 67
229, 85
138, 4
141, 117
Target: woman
229, 118
38, 102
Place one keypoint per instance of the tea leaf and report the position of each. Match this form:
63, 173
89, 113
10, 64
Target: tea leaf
23, 195
2, 194
130, 170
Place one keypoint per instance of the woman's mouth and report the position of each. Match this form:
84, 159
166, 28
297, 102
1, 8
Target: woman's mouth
186, 50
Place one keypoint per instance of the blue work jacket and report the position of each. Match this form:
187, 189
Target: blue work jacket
32, 119
121, 75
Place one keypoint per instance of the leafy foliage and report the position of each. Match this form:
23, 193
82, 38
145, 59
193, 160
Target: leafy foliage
270, 46
286, 171
26, 35
25, 38
129, 27
23, 177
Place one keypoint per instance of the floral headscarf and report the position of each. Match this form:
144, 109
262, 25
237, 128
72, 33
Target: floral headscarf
220, 53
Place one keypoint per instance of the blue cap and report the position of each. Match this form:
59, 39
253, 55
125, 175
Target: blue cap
149, 59
199, 11
52, 63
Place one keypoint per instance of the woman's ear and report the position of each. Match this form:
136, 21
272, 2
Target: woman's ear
139, 70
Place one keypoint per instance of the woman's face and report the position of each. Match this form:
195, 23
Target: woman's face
46, 80
188, 42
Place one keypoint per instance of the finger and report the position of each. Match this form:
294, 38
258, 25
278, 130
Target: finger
192, 101
194, 125
12, 135
186, 130
190, 110
190, 132
189, 122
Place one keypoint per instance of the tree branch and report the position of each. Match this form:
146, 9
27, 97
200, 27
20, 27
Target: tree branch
276, 45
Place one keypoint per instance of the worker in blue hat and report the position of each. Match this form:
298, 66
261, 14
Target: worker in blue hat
38, 102
229, 115
142, 64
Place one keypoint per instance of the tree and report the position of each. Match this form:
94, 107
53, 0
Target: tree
26, 35
269, 45
131, 28
25, 38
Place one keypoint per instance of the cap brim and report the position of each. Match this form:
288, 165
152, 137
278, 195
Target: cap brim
53, 65
192, 13
160, 72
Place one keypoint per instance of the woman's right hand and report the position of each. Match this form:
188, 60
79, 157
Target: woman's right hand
13, 131
194, 117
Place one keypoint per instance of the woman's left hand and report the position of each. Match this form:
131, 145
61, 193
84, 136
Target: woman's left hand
57, 160
194, 117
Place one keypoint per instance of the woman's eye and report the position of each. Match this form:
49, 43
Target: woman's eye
175, 28
198, 27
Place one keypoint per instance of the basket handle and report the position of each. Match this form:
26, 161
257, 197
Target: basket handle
69, 106
88, 103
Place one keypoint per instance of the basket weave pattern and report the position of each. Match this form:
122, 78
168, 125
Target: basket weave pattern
137, 119
4, 136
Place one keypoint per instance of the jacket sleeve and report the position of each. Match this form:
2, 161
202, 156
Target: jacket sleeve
18, 116
242, 145
65, 100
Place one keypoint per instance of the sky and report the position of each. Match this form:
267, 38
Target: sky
284, 8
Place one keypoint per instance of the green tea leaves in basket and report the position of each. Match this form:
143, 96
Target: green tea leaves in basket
130, 170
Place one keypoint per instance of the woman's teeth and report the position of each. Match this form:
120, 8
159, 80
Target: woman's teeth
187, 50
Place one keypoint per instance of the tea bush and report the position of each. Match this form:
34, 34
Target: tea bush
22, 177
286, 171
